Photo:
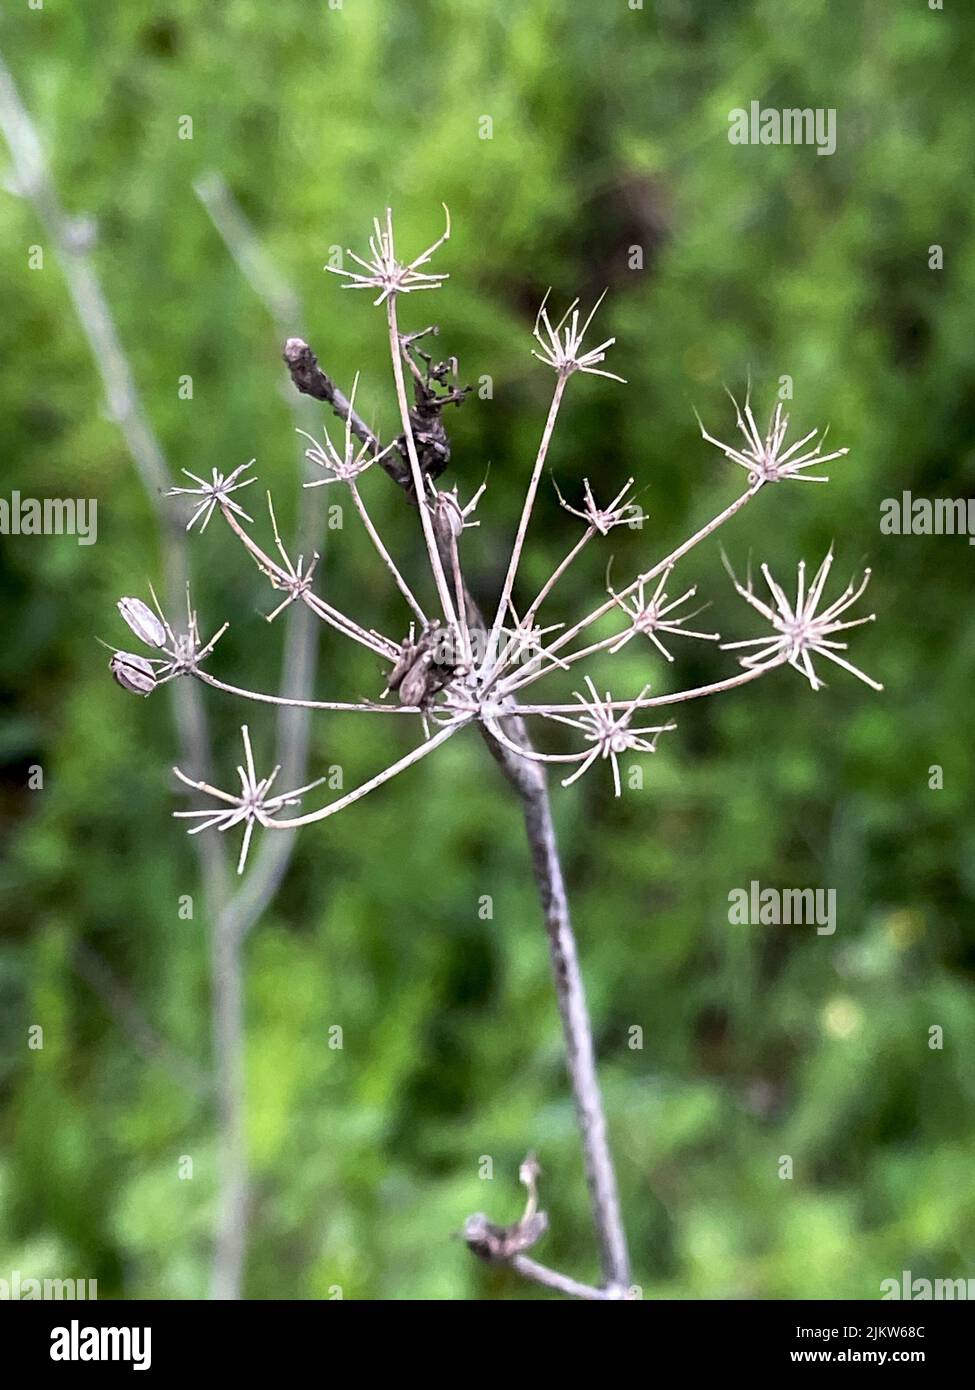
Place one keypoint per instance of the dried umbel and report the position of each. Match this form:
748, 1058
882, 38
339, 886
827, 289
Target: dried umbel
764, 458
347, 466
254, 805
800, 630
561, 346
455, 668
384, 272
213, 494
656, 614
182, 654
451, 667
603, 519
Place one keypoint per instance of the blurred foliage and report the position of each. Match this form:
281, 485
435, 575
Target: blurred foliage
609, 132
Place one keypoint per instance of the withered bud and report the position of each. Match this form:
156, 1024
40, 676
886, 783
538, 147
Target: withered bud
493, 1242
143, 622
448, 512
133, 673
490, 1241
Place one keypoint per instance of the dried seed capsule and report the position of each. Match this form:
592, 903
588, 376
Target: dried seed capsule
133, 673
448, 510
142, 621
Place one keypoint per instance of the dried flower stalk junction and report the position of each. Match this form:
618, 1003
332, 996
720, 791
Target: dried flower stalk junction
457, 669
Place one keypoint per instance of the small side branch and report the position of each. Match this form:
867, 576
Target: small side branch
562, 1283
506, 1245
310, 380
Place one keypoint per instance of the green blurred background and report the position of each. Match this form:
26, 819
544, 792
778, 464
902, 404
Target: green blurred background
609, 132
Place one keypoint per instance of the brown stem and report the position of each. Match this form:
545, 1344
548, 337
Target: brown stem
528, 781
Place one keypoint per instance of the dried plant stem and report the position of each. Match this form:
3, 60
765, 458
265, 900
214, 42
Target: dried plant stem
557, 574
233, 1188
419, 486
382, 646
526, 511
460, 589
357, 793
248, 903
580, 1055
561, 1283
674, 697
292, 702
515, 682
706, 530
529, 782
383, 553
231, 915
34, 183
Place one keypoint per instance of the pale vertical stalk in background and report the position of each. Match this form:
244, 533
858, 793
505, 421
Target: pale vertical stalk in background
245, 908
231, 914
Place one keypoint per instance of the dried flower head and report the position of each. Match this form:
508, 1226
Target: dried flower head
561, 346
609, 731
764, 458
603, 519
254, 805
651, 617
182, 653
384, 272
458, 667
525, 638
799, 629
347, 466
296, 577
215, 493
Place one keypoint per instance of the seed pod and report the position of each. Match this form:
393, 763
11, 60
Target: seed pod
448, 511
404, 661
142, 621
133, 673
413, 686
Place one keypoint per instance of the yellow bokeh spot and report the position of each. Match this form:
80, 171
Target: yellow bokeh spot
842, 1018
904, 927
699, 363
